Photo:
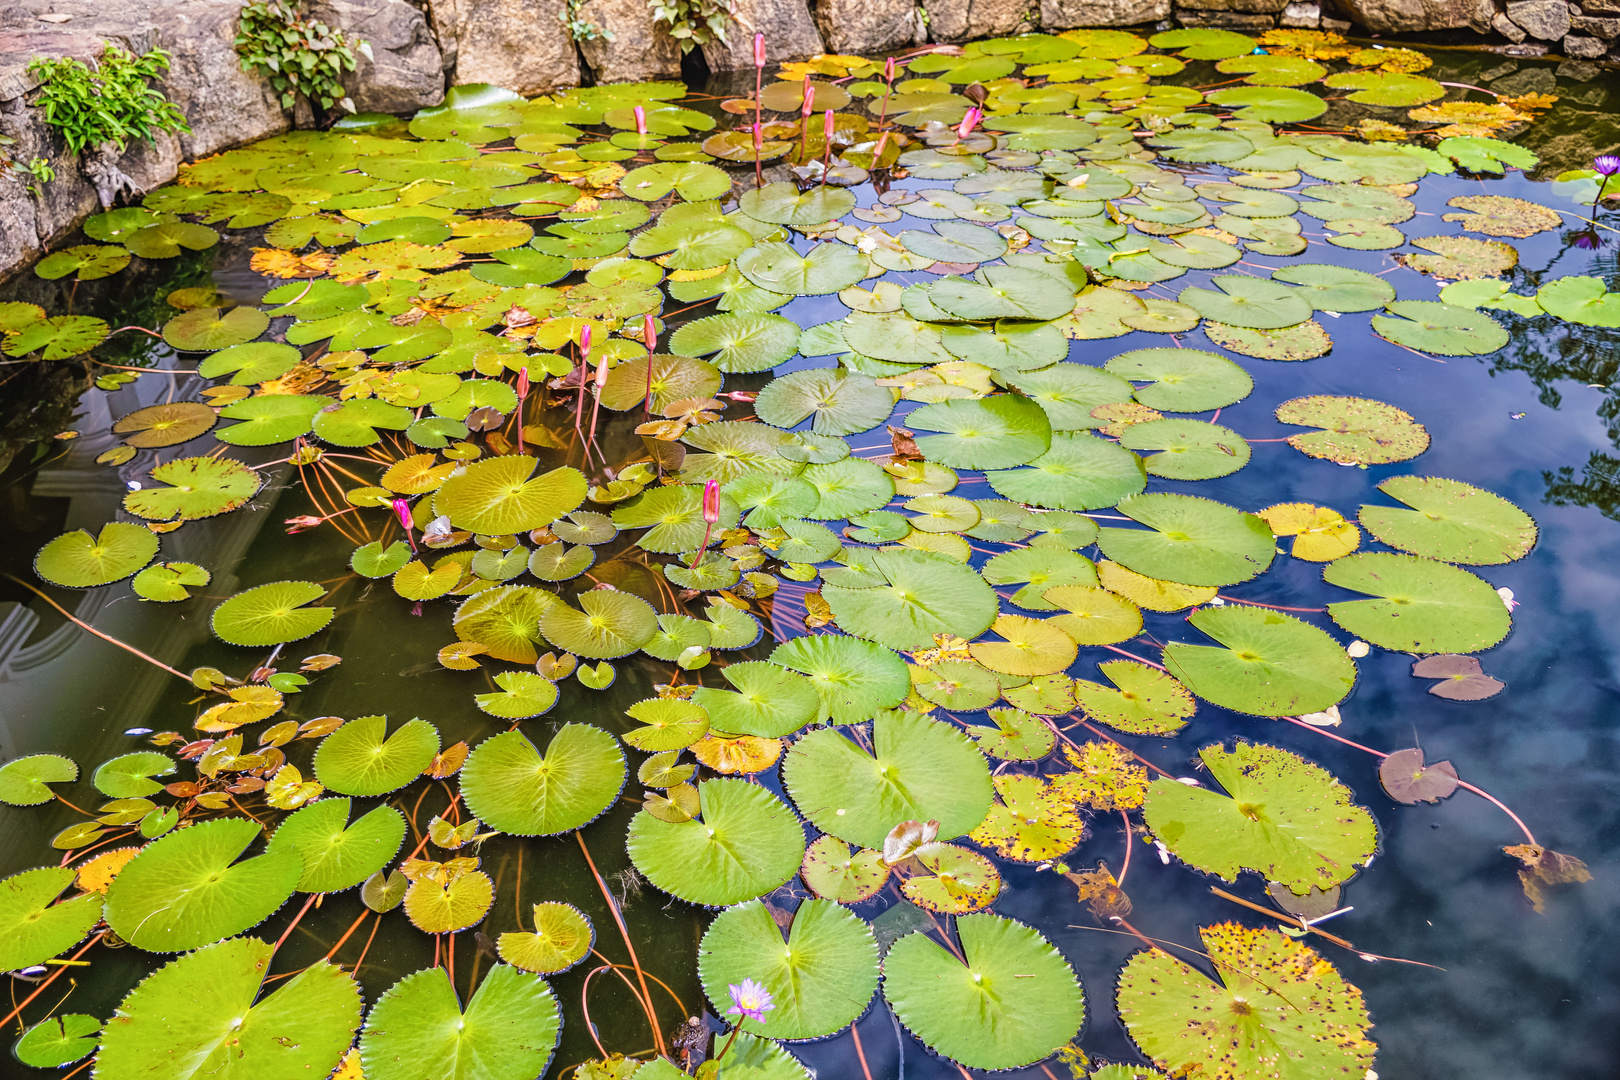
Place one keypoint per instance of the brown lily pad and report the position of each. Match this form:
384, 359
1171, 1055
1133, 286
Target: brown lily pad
1408, 780
1462, 677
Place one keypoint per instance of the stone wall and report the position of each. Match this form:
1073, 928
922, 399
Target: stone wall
420, 46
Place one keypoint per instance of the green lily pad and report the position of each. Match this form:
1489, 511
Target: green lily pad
923, 770
1187, 449
1038, 569
1183, 380
1270, 104
956, 242
821, 978
783, 204
848, 487
23, 780
610, 624
989, 433
1271, 664
129, 776
1008, 346
77, 560
841, 402
510, 785
114, 225
265, 420
1425, 606
337, 855
1003, 292
183, 891
1079, 472
1389, 88
508, 1030
522, 695
746, 844
1190, 540
58, 1040
1353, 430
855, 678
201, 487
778, 267
251, 362
1336, 288
1248, 301
271, 614
739, 342
1434, 327
33, 929
167, 239
302, 1029
501, 495
924, 594
562, 937
1451, 521
1011, 1000
1584, 300
1277, 1000
355, 423
86, 262
357, 760
1282, 816
60, 337
693, 181
768, 702
168, 583
1142, 701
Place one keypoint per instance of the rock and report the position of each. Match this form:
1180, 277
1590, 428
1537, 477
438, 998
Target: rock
1507, 67
1507, 28
1601, 8
1064, 14
1335, 26
863, 27
1546, 20
1533, 80
1253, 7
1301, 17
406, 72
1584, 48
1409, 16
790, 34
1603, 28
1231, 20
633, 48
959, 20
1479, 19
518, 44
1575, 71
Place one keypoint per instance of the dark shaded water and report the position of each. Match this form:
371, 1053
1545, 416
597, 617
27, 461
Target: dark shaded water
1521, 994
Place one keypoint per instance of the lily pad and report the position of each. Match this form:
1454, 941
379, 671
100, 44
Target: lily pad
1425, 606
854, 678
508, 1030
768, 702
922, 770
1250, 302
337, 855
265, 420
58, 1040
1010, 1001
924, 594
502, 495
509, 784
747, 843
1451, 521
562, 937
955, 242
357, 760
778, 267
33, 929
77, 560
990, 433
739, 342
1284, 817
1434, 327
1187, 449
821, 978
271, 614
1078, 472
183, 891
1182, 380
1142, 701
208, 329
1271, 664
1191, 540
1354, 430
609, 624
837, 401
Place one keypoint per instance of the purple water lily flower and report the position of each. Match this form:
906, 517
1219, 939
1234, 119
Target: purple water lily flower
750, 1000
1606, 164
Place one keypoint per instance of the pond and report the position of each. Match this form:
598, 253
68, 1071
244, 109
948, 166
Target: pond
1019, 550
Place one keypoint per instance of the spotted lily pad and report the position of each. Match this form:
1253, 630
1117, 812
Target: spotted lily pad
1424, 606
1270, 663
1353, 430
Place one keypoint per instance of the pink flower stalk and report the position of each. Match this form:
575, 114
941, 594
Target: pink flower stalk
584, 360
711, 515
759, 77
969, 122
827, 124
402, 511
806, 104
522, 393
888, 76
601, 382
649, 338
641, 120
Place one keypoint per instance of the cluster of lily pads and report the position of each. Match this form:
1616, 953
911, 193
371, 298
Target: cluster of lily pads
461, 295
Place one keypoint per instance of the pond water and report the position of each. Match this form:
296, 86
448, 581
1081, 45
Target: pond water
1511, 992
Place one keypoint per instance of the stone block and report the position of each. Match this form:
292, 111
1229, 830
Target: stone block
1226, 20
1301, 17
1576, 71
1545, 20
1067, 14
790, 34
1507, 28
1336, 26
519, 44
1584, 48
1479, 19
406, 71
638, 48
1595, 27
870, 27
1408, 16
1251, 7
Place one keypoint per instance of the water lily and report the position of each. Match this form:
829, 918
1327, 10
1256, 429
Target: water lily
584, 362
969, 122
1606, 164
641, 120
711, 515
402, 510
649, 338
759, 79
749, 999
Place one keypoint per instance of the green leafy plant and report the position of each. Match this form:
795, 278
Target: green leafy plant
113, 102
298, 55
694, 22
579, 27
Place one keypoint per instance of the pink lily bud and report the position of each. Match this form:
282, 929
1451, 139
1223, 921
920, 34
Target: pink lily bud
649, 332
601, 373
827, 125
888, 70
641, 120
759, 139
809, 99
523, 382
969, 122
402, 511
877, 151
585, 340
759, 50
711, 501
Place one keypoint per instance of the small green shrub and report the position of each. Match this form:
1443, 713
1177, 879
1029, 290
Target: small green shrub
298, 55
579, 27
694, 22
114, 102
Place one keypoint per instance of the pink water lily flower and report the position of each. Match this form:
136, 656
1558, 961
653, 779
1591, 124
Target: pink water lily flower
969, 122
750, 1000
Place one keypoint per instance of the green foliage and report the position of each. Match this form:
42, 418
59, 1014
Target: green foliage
694, 22
114, 102
298, 55
579, 27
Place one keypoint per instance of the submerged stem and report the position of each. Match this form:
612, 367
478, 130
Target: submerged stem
82, 625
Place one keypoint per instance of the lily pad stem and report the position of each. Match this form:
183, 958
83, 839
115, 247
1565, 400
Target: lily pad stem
1481, 792
860, 1051
624, 932
9, 1017
82, 625
285, 934
1125, 867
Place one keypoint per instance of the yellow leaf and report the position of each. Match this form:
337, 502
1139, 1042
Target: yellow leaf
1151, 593
745, 754
248, 705
417, 474
288, 790
1033, 647
1320, 533
1104, 777
440, 909
97, 874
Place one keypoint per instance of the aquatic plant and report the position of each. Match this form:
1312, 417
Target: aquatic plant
437, 287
